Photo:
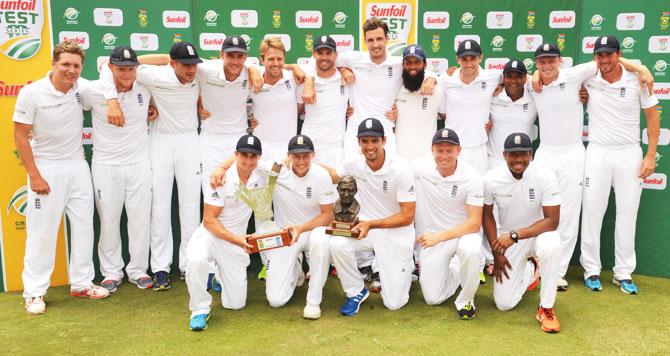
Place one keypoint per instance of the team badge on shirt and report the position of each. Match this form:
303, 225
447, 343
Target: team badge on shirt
385, 186
622, 93
308, 194
531, 195
342, 90
390, 72
483, 86
525, 107
561, 86
245, 83
38, 203
424, 104
140, 99
78, 96
288, 84
454, 191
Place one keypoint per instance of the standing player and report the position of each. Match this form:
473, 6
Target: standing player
561, 126
50, 111
449, 196
387, 200
513, 110
417, 114
378, 79
527, 197
325, 120
222, 239
614, 159
122, 172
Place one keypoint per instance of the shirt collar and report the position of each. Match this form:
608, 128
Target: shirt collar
52, 89
619, 83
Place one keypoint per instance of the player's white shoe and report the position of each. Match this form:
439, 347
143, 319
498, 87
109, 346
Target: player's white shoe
35, 305
562, 285
311, 311
93, 292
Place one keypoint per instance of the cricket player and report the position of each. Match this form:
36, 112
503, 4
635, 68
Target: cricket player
122, 172
378, 77
221, 238
325, 120
513, 110
449, 200
48, 121
561, 149
614, 159
417, 114
528, 201
387, 199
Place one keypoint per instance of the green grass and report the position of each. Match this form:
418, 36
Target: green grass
133, 321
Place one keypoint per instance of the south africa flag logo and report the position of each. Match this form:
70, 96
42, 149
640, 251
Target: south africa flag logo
20, 32
19, 201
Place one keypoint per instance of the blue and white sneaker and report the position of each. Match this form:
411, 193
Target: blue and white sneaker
213, 284
198, 322
353, 304
627, 285
593, 283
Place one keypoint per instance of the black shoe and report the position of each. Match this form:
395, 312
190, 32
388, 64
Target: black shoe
161, 281
376, 284
182, 275
467, 312
416, 273
366, 272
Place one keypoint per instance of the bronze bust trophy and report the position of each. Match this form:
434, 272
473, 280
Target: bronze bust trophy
345, 209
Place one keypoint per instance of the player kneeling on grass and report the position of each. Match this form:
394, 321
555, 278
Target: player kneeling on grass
387, 200
528, 201
221, 237
450, 196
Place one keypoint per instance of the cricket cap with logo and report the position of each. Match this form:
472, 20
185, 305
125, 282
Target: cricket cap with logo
469, 48
414, 51
184, 52
124, 56
446, 135
234, 44
249, 144
547, 50
370, 128
606, 44
300, 144
518, 142
515, 65
325, 42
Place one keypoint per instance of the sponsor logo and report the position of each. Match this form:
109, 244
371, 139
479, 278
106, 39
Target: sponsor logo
655, 181
664, 21
435, 44
529, 63
21, 24
499, 19
144, 41
659, 44
244, 18
497, 43
100, 61
528, 43
276, 18
437, 65
435, 20
80, 38
109, 40
176, 19
309, 42
662, 91
659, 67
495, 63
87, 136
71, 16
142, 17
530, 20
344, 42
108, 17
560, 41
562, 19
627, 45
11, 90
399, 18
246, 39
663, 138
630, 21
308, 19
176, 38
19, 201
588, 44
460, 38
285, 38
340, 19
211, 41
210, 17
467, 19
597, 22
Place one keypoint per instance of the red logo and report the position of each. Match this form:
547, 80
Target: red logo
393, 11
499, 66
562, 19
309, 19
175, 19
436, 20
7, 89
18, 5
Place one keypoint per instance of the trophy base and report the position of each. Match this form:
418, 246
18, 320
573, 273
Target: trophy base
340, 228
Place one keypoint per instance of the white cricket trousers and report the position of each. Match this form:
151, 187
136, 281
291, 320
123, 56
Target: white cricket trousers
439, 281
173, 156
72, 194
393, 257
116, 186
285, 267
568, 165
232, 262
547, 248
617, 167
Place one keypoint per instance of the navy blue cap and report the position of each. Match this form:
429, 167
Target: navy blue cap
515, 65
414, 51
606, 44
234, 44
184, 52
517, 142
446, 135
124, 56
249, 144
469, 48
325, 42
300, 144
370, 127
547, 50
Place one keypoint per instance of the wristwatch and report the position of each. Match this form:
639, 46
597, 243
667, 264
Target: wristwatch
514, 236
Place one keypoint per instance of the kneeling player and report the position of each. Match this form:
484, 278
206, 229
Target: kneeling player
449, 214
528, 202
221, 237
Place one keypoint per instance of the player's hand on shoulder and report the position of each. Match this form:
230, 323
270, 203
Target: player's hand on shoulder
392, 114
298, 74
536, 82
39, 185
255, 79
451, 70
428, 86
350, 111
498, 90
348, 77
218, 177
488, 125
363, 227
647, 81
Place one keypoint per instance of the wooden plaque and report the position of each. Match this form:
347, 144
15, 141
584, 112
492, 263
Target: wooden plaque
341, 228
269, 241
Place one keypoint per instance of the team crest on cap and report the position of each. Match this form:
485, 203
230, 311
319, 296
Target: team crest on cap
468, 45
368, 124
445, 133
301, 140
514, 64
517, 140
235, 41
250, 140
412, 49
324, 38
190, 50
546, 47
126, 53
603, 41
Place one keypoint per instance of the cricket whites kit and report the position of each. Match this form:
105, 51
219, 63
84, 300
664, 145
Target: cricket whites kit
519, 205
417, 122
57, 121
613, 160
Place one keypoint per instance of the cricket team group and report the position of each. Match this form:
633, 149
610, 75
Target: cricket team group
445, 207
